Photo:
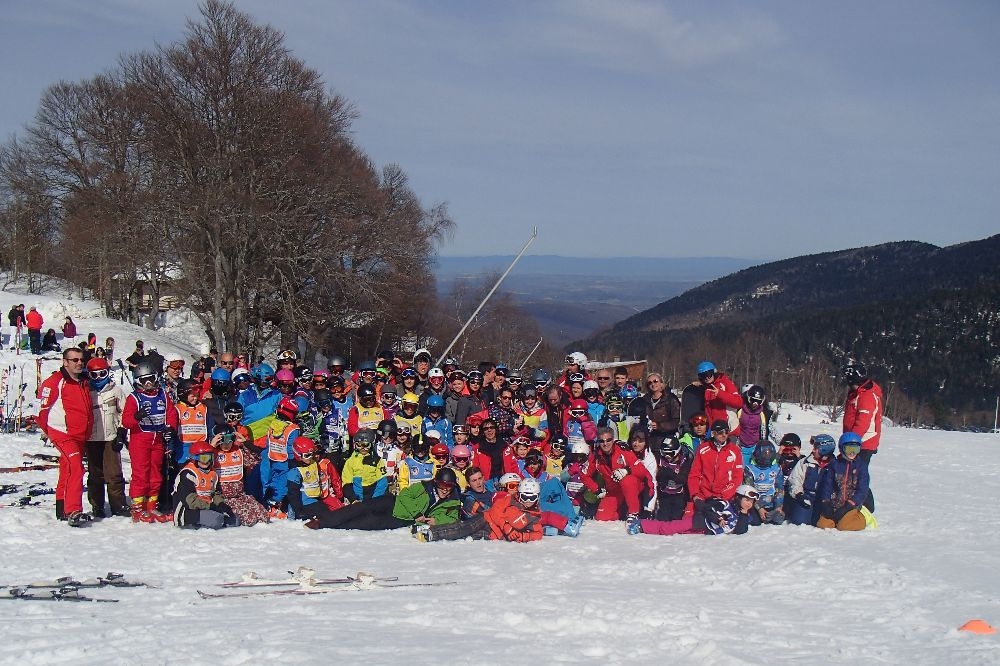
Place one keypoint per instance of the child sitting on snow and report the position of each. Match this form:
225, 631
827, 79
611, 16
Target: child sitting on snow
764, 473
198, 500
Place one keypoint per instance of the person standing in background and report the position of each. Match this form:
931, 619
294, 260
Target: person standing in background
35, 321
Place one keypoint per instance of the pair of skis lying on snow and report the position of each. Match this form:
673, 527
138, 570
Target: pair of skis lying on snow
304, 581
67, 588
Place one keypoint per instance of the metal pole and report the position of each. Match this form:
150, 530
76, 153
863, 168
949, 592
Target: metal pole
530, 354
534, 234
995, 415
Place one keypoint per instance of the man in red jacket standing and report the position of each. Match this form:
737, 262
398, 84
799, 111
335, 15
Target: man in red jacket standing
66, 418
863, 408
717, 470
34, 320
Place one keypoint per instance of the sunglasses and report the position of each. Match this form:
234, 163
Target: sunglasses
606, 440
489, 427
75, 359
604, 379
444, 485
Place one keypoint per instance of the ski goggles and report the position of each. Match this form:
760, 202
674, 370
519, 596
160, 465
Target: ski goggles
515, 381
234, 416
511, 486
460, 429
705, 376
205, 459
461, 459
720, 428
528, 498
558, 446
577, 413
698, 421
308, 455
751, 494
146, 381
850, 449
576, 378
98, 374
176, 365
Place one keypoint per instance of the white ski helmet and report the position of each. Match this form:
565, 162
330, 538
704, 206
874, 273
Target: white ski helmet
529, 489
579, 358
746, 490
509, 478
170, 357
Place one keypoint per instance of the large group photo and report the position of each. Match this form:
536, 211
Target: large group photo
610, 332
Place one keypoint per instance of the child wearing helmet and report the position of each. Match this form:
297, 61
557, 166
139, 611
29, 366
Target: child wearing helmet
461, 462
418, 466
754, 420
436, 420
198, 499
697, 432
150, 418
763, 472
614, 417
843, 488
279, 442
672, 469
194, 422
364, 471
803, 483
367, 413
578, 426
236, 463
531, 411
260, 402
314, 486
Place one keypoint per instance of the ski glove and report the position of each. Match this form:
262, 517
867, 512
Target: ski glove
141, 413
619, 474
121, 441
168, 437
602, 494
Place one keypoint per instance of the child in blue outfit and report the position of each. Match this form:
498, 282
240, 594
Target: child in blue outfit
764, 473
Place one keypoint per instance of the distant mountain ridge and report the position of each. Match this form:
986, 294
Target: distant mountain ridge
926, 317
675, 269
831, 279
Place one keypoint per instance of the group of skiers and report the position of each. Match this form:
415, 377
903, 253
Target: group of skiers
449, 453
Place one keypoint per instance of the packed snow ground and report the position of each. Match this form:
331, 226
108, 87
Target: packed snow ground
778, 594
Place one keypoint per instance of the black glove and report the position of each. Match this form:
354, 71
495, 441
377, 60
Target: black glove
141, 413
121, 441
842, 511
168, 437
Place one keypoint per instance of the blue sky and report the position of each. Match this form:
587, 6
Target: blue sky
761, 130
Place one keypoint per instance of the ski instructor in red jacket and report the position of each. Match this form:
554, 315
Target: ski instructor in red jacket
863, 408
66, 418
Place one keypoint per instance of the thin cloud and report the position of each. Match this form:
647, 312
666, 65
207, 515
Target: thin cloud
641, 35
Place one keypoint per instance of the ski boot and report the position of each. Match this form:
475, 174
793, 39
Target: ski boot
60, 512
275, 512
422, 533
140, 515
632, 524
572, 528
156, 514
78, 519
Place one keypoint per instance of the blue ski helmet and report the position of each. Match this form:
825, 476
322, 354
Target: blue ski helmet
263, 372
435, 401
706, 366
629, 392
824, 444
849, 438
221, 375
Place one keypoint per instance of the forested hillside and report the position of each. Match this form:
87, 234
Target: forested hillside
925, 318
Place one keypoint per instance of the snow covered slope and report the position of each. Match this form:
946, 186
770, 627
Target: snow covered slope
893, 595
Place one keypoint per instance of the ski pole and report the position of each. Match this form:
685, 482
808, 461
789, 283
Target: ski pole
125, 374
